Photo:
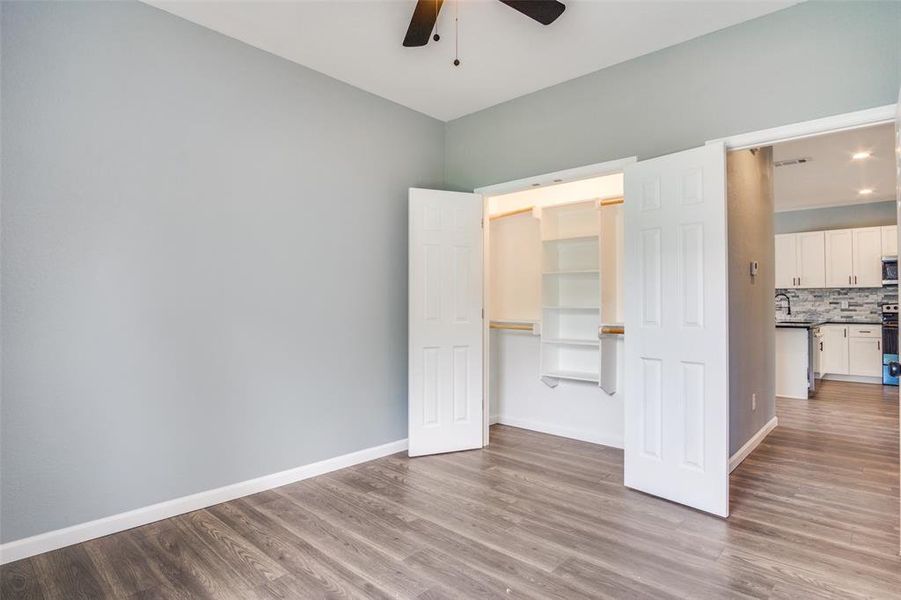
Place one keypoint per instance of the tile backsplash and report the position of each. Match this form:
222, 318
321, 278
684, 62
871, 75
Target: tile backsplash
826, 304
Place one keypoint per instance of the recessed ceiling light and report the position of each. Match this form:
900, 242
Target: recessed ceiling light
861, 155
865, 191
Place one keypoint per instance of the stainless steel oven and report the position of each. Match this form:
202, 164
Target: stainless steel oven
890, 344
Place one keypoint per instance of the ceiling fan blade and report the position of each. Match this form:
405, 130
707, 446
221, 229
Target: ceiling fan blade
424, 16
543, 11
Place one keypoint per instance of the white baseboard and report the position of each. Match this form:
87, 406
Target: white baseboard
853, 378
51, 540
584, 435
493, 419
749, 447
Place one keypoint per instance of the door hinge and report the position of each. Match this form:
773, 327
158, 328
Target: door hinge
483, 314
483, 222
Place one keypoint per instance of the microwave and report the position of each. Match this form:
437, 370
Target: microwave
889, 270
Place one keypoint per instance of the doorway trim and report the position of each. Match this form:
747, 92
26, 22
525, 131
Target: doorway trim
600, 169
794, 131
878, 115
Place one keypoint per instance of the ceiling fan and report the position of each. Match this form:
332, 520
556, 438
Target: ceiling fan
426, 14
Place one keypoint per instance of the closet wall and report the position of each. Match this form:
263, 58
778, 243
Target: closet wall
557, 268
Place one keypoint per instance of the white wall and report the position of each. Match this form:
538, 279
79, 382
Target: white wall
573, 409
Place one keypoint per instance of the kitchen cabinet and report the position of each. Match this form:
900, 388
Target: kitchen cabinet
834, 355
854, 257
867, 257
890, 240
800, 260
865, 356
786, 267
849, 350
839, 265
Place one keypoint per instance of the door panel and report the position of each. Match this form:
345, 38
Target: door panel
890, 240
786, 261
867, 257
835, 350
839, 265
445, 322
865, 356
676, 315
811, 259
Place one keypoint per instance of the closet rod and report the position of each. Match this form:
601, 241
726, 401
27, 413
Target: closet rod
513, 326
613, 330
612, 201
512, 213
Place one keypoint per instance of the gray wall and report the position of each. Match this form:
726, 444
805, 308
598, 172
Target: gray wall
752, 337
811, 60
837, 217
204, 262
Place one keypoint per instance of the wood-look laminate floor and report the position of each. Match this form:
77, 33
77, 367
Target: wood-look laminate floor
814, 515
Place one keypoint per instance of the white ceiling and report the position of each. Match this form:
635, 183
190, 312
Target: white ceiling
504, 54
832, 178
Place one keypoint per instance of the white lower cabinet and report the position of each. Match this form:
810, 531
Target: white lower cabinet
854, 350
834, 356
865, 357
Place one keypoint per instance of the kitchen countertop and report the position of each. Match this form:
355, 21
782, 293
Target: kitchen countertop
812, 324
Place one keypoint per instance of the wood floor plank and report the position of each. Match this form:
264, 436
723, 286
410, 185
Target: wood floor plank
814, 514
18, 580
68, 574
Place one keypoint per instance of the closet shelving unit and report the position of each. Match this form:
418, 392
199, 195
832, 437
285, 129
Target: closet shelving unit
570, 291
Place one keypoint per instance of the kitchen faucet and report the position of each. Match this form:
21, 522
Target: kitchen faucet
788, 303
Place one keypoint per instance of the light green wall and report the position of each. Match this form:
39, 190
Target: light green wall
204, 258
811, 60
837, 217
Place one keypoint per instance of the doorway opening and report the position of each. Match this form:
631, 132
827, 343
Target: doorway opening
554, 306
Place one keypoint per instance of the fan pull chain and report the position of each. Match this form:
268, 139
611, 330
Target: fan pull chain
456, 33
436, 37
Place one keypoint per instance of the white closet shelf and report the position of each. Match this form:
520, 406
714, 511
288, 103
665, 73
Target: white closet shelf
573, 272
573, 308
575, 375
573, 238
571, 342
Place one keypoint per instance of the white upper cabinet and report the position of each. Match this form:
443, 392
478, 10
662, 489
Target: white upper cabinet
800, 260
811, 259
786, 261
839, 263
867, 257
890, 240
839, 258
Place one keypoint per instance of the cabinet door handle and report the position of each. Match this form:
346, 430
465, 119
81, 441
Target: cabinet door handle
844, 333
878, 345
855, 280
849, 280
821, 346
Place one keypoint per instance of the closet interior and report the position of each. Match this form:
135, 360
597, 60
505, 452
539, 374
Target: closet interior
555, 275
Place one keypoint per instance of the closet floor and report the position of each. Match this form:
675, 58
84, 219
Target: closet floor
814, 514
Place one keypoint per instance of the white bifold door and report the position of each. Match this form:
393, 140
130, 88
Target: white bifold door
445, 322
676, 323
